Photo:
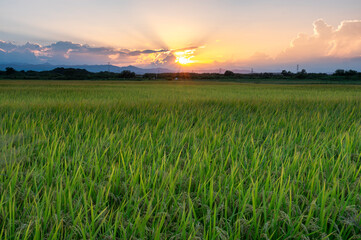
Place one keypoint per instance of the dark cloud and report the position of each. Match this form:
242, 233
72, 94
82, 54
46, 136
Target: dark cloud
135, 53
64, 52
154, 51
6, 46
18, 57
138, 52
64, 46
30, 47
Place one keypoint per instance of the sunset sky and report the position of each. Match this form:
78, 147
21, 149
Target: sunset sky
267, 35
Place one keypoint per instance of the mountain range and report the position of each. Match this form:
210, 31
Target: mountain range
90, 68
103, 68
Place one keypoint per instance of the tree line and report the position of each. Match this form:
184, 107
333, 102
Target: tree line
65, 74
338, 75
82, 74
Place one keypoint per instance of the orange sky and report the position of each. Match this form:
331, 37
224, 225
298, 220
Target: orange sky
226, 33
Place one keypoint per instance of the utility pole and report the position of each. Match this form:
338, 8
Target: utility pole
108, 67
298, 68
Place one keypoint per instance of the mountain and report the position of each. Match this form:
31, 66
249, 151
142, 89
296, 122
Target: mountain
90, 68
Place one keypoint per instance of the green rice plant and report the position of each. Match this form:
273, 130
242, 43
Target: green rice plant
110, 160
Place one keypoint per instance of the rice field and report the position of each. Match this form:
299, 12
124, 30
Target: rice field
111, 160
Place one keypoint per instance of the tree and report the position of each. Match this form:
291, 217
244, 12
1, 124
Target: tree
339, 72
150, 76
351, 73
286, 74
10, 71
229, 73
302, 74
127, 74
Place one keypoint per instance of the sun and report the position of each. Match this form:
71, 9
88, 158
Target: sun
184, 57
183, 60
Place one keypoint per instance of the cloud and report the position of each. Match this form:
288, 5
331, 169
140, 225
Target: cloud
69, 53
169, 59
7, 46
10, 52
327, 48
64, 52
326, 41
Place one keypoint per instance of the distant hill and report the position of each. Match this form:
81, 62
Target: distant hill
90, 68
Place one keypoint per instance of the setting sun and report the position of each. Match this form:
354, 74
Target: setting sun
183, 60
184, 57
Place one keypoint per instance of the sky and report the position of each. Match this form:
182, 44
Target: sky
266, 35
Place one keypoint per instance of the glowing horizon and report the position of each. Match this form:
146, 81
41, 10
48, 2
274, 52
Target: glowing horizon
202, 34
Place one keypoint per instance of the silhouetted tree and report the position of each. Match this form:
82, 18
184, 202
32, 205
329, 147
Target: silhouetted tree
127, 74
302, 74
10, 71
229, 73
350, 73
149, 76
286, 74
339, 72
